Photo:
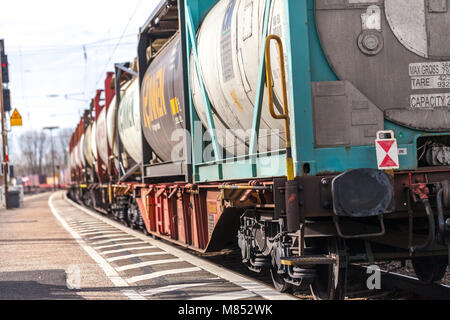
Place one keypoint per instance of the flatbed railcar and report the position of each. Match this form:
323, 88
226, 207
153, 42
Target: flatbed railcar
344, 157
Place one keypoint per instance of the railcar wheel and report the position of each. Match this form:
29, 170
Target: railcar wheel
277, 270
430, 269
330, 279
278, 281
325, 287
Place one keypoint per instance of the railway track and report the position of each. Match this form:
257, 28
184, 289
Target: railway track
153, 268
399, 286
394, 286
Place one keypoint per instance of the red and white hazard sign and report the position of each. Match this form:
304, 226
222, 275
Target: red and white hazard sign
387, 150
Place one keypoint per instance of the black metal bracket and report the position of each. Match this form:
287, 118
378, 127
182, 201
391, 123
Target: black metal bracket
356, 236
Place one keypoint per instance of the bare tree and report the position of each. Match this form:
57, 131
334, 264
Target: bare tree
33, 147
62, 145
33, 155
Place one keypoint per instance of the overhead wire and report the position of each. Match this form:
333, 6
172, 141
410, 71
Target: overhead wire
65, 48
82, 48
117, 45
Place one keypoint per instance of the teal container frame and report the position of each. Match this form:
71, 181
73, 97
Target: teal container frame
306, 64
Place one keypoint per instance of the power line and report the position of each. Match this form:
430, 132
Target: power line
65, 50
40, 49
120, 39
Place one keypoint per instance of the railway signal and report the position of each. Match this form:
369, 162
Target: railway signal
4, 62
5, 71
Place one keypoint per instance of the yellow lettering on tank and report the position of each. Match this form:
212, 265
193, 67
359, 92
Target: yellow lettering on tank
145, 104
154, 103
163, 97
149, 102
150, 98
175, 106
172, 105
159, 85
162, 111
154, 98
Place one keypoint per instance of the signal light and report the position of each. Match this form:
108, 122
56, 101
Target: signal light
5, 71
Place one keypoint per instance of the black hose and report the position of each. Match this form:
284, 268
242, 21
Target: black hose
441, 222
431, 228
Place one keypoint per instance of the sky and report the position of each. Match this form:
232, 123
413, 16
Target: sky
59, 52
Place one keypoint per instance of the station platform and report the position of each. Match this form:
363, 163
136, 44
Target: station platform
54, 249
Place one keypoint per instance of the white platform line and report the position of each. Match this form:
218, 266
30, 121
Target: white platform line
90, 221
91, 229
137, 255
128, 249
147, 264
175, 287
106, 267
98, 231
106, 235
161, 274
90, 225
255, 286
119, 245
82, 228
228, 296
115, 239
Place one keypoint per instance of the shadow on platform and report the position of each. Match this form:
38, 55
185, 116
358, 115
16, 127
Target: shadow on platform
36, 285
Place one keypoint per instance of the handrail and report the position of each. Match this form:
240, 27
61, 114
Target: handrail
285, 115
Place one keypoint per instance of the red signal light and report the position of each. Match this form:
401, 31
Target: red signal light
3, 65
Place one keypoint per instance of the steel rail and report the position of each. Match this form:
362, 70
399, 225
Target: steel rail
407, 284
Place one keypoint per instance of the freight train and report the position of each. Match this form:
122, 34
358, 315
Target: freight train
309, 135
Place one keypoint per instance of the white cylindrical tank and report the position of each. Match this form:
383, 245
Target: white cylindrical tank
111, 130
101, 137
77, 155
94, 141
129, 121
229, 68
71, 160
87, 146
81, 151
